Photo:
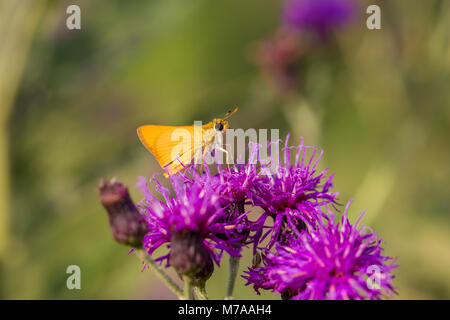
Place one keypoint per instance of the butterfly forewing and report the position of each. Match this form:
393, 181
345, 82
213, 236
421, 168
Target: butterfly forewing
173, 146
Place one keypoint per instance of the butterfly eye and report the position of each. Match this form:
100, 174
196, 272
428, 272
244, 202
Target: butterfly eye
218, 127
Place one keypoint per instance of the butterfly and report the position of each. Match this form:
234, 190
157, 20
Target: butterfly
175, 147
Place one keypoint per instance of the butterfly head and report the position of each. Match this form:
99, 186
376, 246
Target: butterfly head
220, 125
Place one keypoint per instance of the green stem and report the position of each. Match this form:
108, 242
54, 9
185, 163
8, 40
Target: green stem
200, 291
188, 294
160, 273
234, 268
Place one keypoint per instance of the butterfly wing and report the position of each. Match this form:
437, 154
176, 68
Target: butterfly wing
173, 146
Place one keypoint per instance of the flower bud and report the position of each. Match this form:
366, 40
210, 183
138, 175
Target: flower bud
127, 225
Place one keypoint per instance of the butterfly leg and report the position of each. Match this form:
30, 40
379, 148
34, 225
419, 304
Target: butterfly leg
197, 154
227, 155
203, 158
203, 153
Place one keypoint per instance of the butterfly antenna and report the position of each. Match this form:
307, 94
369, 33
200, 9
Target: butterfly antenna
230, 113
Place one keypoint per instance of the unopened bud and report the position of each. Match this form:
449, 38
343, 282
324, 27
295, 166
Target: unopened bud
127, 225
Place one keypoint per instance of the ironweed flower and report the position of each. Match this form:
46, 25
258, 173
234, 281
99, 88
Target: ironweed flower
329, 260
192, 222
318, 16
308, 255
291, 194
234, 185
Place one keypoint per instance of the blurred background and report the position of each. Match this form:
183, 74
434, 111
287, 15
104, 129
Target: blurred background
377, 102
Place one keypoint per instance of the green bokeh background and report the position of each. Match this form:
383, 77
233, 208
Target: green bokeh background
376, 101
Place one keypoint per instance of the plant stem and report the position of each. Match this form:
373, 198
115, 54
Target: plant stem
188, 294
160, 273
234, 268
201, 292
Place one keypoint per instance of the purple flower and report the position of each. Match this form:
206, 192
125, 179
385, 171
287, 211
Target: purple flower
291, 194
328, 261
238, 182
234, 184
192, 222
319, 16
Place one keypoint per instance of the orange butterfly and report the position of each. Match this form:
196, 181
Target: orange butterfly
176, 146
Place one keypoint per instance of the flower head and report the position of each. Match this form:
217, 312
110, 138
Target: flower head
328, 261
234, 185
291, 194
319, 16
192, 222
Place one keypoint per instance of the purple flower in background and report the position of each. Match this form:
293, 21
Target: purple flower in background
192, 222
279, 57
329, 261
291, 194
319, 16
